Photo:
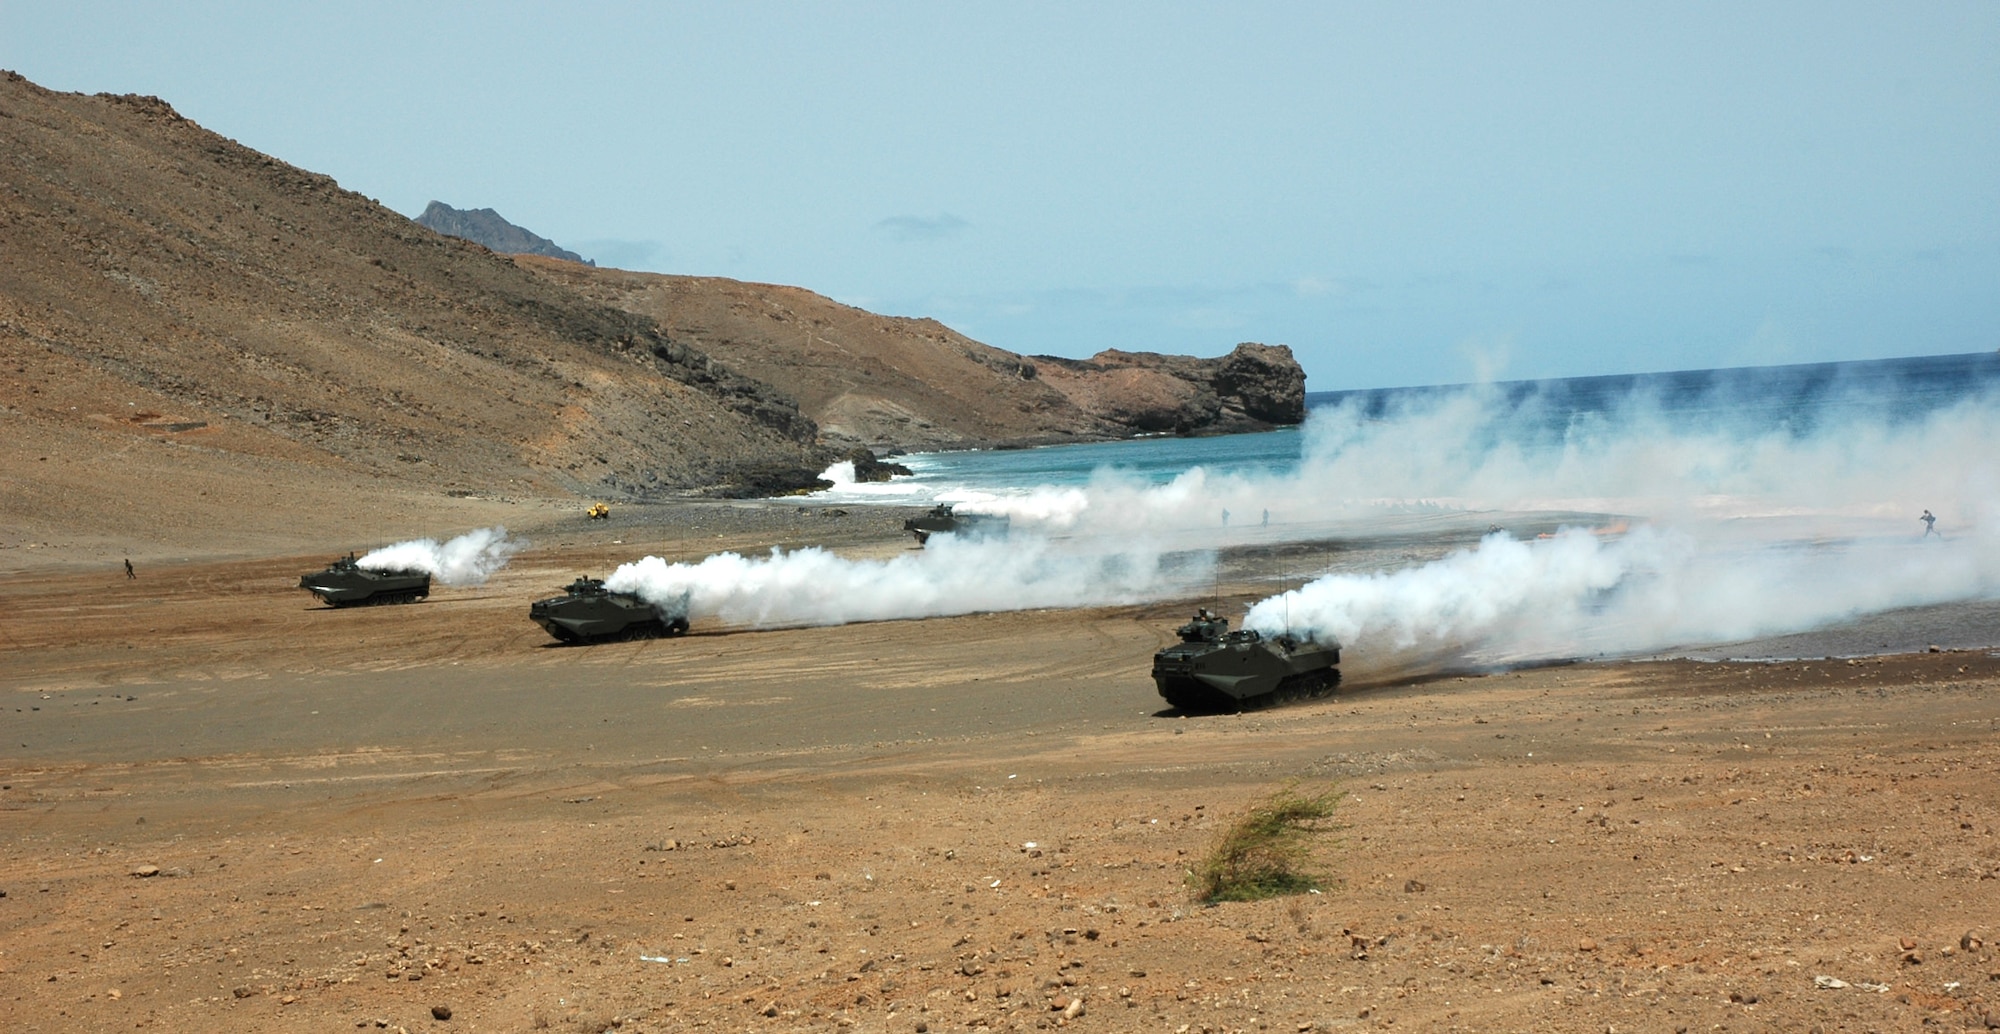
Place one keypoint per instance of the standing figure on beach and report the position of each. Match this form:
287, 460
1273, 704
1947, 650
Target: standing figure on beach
1930, 525
1225, 517
129, 573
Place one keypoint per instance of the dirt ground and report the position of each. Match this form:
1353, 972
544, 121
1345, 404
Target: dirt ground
223, 807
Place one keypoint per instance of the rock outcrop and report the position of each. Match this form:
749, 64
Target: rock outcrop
485, 227
869, 467
1254, 388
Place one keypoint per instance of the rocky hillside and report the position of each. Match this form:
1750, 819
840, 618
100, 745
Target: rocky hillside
200, 344
484, 226
895, 382
165, 288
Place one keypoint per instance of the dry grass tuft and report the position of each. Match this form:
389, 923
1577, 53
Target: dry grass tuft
1268, 852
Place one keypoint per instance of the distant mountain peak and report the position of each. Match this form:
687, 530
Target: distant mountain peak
484, 226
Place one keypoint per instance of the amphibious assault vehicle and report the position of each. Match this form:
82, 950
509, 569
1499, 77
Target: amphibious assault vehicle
345, 583
941, 520
588, 611
1214, 669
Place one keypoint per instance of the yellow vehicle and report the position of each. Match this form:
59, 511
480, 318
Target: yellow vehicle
597, 512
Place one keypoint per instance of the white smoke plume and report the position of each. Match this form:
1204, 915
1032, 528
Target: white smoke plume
1754, 515
951, 576
469, 559
1751, 522
1472, 450
1580, 594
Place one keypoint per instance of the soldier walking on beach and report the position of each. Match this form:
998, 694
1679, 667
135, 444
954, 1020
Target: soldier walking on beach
129, 573
1930, 525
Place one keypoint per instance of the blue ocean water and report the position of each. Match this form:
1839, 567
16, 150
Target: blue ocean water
1799, 399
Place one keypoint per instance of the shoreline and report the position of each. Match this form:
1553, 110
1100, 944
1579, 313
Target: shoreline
693, 528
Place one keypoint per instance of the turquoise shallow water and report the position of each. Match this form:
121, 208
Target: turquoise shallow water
1800, 400
1153, 459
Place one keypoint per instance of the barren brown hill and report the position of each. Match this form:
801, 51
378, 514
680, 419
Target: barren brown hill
204, 350
199, 343
896, 381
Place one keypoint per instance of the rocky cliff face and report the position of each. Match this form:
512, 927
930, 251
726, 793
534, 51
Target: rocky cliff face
1253, 388
485, 227
916, 383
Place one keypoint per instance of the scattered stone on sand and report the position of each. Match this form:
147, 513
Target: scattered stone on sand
288, 886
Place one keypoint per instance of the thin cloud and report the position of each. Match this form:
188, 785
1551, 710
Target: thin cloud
905, 229
1210, 317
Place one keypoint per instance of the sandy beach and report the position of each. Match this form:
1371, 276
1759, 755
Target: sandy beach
226, 807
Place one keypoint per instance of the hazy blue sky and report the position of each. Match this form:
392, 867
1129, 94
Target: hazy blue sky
1404, 193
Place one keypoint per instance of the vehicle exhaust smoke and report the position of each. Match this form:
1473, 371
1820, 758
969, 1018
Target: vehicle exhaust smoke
1580, 594
1479, 450
469, 559
1756, 515
951, 576
1755, 510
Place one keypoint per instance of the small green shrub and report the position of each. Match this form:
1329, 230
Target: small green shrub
1268, 852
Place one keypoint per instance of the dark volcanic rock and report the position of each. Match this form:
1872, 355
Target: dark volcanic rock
758, 481
868, 468
1264, 382
752, 398
484, 226
1253, 388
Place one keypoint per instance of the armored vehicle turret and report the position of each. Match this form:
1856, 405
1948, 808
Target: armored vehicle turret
943, 520
345, 583
588, 611
1214, 669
